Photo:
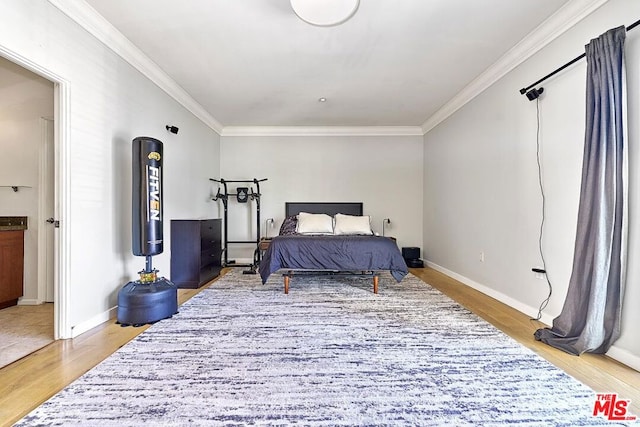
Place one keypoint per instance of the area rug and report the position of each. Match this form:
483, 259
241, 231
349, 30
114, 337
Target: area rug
330, 353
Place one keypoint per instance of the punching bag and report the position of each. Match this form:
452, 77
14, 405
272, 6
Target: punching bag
147, 218
151, 298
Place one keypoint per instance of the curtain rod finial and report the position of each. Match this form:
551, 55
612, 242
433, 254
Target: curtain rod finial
534, 93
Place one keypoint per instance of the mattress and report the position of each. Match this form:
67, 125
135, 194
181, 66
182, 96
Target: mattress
333, 253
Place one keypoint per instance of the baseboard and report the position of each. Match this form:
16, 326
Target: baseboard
616, 353
84, 326
505, 299
29, 301
93, 322
624, 357
241, 261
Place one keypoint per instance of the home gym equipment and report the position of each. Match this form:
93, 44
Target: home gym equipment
151, 298
243, 195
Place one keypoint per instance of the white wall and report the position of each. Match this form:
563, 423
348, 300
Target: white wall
383, 172
481, 182
111, 103
24, 99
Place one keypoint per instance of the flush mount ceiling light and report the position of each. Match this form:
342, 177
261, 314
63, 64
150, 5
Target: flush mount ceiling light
325, 13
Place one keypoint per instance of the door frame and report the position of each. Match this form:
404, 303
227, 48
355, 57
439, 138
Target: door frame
62, 289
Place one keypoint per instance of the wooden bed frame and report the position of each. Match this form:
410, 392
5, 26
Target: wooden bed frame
290, 273
329, 208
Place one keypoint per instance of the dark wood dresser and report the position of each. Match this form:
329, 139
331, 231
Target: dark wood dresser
196, 251
11, 259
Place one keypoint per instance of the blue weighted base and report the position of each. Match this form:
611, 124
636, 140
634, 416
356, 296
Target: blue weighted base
142, 303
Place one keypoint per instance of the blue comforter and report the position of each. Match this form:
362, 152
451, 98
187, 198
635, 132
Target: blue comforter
334, 253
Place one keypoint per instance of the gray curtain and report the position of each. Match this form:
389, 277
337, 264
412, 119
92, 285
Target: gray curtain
590, 317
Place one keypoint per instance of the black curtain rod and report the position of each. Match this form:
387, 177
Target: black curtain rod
573, 61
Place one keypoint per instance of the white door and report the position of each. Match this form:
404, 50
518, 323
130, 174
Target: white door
46, 251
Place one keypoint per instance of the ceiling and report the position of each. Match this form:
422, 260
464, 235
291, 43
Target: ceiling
255, 63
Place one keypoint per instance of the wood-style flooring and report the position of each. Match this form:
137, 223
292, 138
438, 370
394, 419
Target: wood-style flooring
30, 381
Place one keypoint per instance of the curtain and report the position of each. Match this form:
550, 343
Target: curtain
590, 317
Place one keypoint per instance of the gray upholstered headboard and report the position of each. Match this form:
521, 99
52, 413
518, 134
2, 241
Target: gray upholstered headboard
329, 208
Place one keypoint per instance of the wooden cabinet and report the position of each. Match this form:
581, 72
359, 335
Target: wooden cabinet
11, 267
196, 251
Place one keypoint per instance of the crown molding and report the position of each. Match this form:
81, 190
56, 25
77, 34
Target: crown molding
322, 131
565, 18
100, 28
558, 23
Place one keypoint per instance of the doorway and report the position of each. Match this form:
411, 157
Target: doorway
45, 296
28, 168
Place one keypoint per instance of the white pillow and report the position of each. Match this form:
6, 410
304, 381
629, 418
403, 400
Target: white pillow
314, 223
351, 224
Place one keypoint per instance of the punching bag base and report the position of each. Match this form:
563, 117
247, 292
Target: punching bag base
141, 303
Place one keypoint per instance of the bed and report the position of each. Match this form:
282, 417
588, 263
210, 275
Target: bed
338, 248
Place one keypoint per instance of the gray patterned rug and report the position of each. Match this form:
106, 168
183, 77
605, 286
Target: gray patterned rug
329, 353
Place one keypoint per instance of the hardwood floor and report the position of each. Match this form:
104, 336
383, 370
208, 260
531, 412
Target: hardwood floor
30, 381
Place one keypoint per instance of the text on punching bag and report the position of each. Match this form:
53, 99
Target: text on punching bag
153, 193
